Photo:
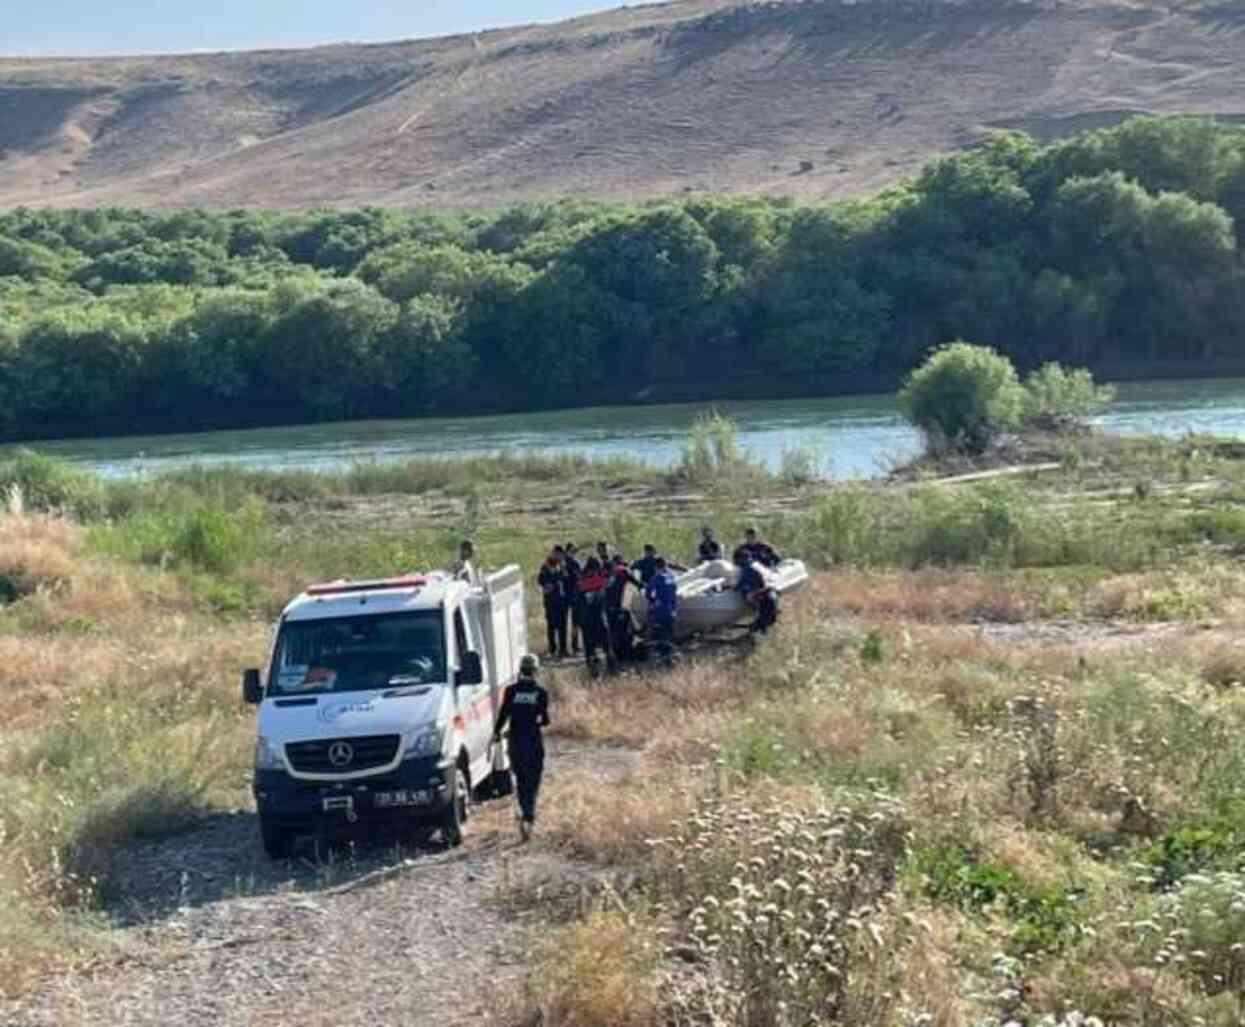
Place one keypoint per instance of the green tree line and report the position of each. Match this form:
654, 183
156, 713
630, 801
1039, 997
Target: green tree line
1121, 246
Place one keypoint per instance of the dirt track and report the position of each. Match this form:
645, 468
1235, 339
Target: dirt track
218, 935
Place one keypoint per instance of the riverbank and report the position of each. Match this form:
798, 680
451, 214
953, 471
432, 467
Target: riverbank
849, 438
118, 319
699, 393
1014, 703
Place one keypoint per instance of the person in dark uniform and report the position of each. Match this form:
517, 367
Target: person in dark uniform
618, 577
465, 568
710, 548
526, 709
662, 593
552, 582
591, 593
574, 569
760, 551
617, 615
646, 566
756, 592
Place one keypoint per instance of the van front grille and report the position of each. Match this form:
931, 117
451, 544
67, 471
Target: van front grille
342, 755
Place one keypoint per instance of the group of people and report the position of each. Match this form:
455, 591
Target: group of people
585, 600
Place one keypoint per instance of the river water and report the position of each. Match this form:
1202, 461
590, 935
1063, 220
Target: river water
853, 437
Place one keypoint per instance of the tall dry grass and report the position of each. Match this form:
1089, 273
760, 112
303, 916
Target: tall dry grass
121, 720
599, 972
1037, 780
35, 550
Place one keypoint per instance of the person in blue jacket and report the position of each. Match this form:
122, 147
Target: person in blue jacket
756, 591
662, 593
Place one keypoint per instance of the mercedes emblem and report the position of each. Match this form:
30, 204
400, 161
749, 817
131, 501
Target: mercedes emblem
341, 754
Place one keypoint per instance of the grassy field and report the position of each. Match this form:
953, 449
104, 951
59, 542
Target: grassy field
990, 769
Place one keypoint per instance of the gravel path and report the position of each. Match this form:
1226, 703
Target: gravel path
1096, 635
215, 934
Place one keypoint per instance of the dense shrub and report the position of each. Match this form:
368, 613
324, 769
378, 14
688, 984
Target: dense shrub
1058, 397
1114, 247
1042, 917
48, 484
963, 396
177, 529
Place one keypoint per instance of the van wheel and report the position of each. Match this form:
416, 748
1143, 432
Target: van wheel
455, 815
278, 842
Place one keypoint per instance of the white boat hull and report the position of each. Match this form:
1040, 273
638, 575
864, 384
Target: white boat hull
708, 600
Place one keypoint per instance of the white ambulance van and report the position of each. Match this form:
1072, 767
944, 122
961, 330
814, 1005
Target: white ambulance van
379, 701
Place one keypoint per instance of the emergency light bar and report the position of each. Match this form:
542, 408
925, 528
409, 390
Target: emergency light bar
332, 588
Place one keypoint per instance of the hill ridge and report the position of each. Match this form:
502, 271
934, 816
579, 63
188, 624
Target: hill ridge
807, 98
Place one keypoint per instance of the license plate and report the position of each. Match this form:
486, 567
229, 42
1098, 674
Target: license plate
411, 797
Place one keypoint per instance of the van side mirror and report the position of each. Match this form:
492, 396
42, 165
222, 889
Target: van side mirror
472, 670
252, 690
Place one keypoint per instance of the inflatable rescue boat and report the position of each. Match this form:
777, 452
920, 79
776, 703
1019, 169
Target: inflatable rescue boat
707, 596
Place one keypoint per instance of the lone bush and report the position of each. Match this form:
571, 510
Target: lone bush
712, 451
1058, 398
963, 397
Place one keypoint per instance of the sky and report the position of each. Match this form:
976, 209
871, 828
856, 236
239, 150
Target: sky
97, 27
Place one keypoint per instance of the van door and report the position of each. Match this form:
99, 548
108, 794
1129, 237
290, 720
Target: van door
473, 702
504, 620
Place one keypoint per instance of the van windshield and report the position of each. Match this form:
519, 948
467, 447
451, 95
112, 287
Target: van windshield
355, 654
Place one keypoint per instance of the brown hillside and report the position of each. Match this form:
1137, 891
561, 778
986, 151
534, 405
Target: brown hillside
809, 98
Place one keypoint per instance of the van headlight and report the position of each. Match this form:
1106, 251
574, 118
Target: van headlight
426, 743
267, 755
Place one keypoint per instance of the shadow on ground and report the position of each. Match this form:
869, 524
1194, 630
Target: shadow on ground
220, 858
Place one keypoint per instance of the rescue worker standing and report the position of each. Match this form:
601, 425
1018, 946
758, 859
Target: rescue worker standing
622, 630
662, 593
465, 569
526, 709
591, 592
710, 548
760, 551
756, 592
646, 566
552, 582
571, 592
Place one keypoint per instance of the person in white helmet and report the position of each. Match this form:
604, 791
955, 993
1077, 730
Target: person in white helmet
526, 709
